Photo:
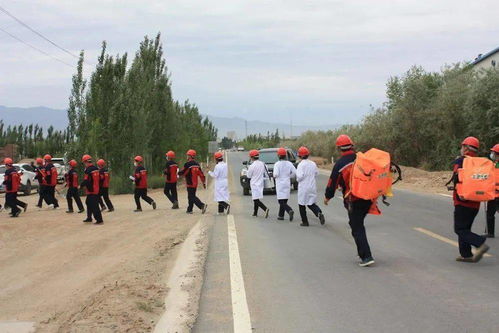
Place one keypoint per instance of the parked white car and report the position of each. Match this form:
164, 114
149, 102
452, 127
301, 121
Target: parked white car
28, 181
61, 166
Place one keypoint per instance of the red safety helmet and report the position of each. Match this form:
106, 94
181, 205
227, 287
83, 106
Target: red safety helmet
343, 140
47, 157
471, 141
218, 155
303, 151
191, 153
101, 162
138, 158
170, 154
73, 163
86, 158
8, 161
495, 148
39, 160
254, 153
281, 152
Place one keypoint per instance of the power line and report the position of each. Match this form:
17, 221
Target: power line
35, 48
37, 33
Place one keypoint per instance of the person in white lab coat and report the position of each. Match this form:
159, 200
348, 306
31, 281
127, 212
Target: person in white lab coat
221, 187
257, 171
283, 171
307, 189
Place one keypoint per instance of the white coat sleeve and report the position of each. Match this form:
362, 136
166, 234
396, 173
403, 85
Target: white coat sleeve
299, 173
276, 170
292, 171
250, 171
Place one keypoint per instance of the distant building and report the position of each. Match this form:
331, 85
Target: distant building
487, 61
231, 135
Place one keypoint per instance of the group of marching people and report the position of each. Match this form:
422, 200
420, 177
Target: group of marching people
97, 179
465, 211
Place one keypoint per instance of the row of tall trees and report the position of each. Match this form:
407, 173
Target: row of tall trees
256, 141
33, 140
425, 117
126, 109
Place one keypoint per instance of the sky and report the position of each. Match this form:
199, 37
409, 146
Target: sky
309, 62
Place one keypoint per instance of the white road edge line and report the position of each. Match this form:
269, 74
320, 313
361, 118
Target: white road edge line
240, 311
446, 195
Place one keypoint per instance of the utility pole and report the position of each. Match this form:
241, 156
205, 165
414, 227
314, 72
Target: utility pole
290, 125
246, 128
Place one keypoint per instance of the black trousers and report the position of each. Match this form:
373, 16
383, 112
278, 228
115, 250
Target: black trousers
141, 193
357, 213
171, 192
222, 206
104, 194
303, 212
283, 207
51, 196
42, 196
492, 207
92, 202
258, 204
73, 194
193, 199
463, 220
12, 202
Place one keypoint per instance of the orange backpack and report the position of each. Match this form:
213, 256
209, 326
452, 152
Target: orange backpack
476, 179
371, 176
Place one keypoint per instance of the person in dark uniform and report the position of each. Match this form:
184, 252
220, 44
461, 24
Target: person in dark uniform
42, 185
170, 172
465, 211
105, 180
12, 180
72, 184
357, 208
91, 184
192, 171
50, 180
493, 205
140, 180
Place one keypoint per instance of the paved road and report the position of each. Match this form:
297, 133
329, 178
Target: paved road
306, 279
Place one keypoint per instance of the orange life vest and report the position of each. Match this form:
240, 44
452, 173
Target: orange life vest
476, 179
371, 176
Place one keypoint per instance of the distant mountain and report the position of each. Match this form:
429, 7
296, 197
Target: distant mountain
46, 117
41, 115
238, 125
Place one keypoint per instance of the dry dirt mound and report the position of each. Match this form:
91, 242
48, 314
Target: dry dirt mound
68, 276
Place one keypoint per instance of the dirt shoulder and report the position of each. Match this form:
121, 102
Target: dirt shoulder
67, 276
413, 179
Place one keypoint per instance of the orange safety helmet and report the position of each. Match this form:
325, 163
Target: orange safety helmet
138, 158
495, 149
8, 161
303, 151
471, 141
191, 153
170, 154
47, 157
39, 160
254, 153
101, 162
281, 152
218, 155
86, 158
343, 140
73, 163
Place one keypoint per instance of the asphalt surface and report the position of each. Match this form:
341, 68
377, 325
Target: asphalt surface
307, 280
